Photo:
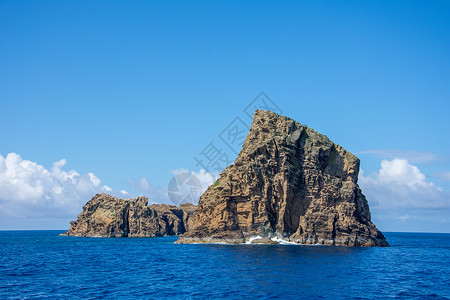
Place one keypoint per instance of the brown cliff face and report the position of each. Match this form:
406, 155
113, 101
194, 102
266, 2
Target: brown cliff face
289, 182
108, 216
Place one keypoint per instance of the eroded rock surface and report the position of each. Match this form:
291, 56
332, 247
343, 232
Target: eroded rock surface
288, 182
108, 216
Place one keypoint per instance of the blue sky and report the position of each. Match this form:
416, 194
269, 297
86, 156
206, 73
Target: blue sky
133, 91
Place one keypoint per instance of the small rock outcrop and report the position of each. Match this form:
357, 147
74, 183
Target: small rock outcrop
289, 182
108, 216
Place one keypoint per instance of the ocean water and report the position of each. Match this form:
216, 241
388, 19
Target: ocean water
43, 265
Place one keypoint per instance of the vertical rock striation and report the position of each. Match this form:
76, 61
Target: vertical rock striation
288, 182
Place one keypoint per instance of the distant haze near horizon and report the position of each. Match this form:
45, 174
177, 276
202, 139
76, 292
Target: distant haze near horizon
120, 97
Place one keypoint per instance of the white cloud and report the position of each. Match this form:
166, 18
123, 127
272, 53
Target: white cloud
159, 194
399, 171
443, 175
398, 184
27, 189
403, 218
205, 178
123, 192
402, 199
141, 185
410, 155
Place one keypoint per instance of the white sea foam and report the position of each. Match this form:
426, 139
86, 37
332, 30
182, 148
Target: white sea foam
281, 241
251, 239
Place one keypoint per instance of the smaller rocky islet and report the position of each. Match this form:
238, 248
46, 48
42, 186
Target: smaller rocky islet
108, 216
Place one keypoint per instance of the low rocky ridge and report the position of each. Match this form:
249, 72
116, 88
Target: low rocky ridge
289, 183
108, 216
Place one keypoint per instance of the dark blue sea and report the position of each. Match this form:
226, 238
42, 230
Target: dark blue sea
43, 265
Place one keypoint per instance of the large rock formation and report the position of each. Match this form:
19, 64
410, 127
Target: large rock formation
108, 216
289, 183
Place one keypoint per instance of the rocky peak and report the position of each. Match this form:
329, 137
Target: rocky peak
288, 182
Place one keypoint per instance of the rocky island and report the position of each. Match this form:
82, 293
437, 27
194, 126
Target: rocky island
108, 216
289, 183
